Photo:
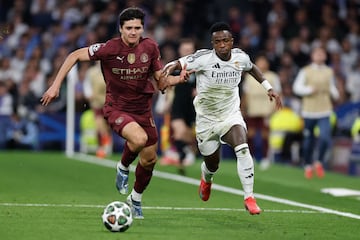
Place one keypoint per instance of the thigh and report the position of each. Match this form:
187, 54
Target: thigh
180, 129
207, 139
324, 127
208, 147
235, 136
233, 131
130, 126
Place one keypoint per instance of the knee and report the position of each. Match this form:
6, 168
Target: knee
138, 142
148, 163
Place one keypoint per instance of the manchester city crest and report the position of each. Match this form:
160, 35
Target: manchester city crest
144, 58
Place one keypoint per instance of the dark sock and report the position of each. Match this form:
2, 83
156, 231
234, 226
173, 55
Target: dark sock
180, 145
128, 156
143, 177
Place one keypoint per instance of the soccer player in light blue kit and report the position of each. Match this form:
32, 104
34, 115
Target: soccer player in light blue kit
217, 104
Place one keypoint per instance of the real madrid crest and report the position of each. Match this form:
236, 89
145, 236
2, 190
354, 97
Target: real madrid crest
237, 65
131, 58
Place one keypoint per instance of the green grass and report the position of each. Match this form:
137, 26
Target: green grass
72, 195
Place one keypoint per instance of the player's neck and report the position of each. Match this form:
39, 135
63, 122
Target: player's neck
131, 45
224, 57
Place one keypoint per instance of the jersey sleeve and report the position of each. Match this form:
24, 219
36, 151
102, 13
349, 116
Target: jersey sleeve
247, 63
97, 51
156, 62
192, 61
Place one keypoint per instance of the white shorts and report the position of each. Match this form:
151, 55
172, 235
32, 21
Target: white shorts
209, 133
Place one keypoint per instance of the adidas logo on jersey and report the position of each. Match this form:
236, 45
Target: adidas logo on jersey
216, 66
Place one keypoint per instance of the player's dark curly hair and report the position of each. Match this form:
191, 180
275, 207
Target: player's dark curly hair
219, 26
130, 14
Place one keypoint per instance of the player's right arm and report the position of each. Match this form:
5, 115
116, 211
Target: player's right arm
167, 79
171, 67
53, 91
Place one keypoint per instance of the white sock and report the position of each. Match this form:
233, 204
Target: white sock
245, 169
206, 174
121, 166
136, 196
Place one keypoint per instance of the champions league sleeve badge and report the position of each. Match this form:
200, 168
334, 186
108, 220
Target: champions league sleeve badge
94, 48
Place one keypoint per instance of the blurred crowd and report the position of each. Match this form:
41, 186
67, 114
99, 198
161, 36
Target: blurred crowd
36, 36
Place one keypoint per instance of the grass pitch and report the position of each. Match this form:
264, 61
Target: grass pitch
48, 196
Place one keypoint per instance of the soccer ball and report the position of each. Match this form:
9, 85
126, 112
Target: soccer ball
117, 217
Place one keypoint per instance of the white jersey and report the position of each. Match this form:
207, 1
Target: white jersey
217, 82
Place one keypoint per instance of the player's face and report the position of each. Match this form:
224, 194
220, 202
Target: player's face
318, 56
131, 32
222, 42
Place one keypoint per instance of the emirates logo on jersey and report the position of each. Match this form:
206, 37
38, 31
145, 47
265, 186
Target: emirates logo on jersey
131, 58
144, 58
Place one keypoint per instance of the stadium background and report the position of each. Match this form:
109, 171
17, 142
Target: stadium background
37, 35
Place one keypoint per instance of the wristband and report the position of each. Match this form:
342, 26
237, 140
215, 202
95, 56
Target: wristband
266, 85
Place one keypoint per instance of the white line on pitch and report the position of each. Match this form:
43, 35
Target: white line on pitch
193, 181
147, 207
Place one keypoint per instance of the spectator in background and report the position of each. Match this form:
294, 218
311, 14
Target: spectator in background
95, 92
326, 39
315, 83
353, 82
81, 101
35, 78
258, 109
59, 104
274, 33
349, 56
251, 32
300, 56
23, 132
9, 74
286, 127
271, 54
6, 110
183, 113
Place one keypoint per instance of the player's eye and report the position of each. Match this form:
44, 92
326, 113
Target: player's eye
225, 40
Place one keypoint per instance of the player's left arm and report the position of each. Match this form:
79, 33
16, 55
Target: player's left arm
257, 74
161, 81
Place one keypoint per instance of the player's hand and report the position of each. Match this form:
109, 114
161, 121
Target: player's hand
184, 74
49, 95
273, 95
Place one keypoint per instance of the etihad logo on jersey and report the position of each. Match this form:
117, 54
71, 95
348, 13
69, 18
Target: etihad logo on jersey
129, 71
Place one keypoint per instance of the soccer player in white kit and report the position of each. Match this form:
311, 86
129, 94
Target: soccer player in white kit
217, 105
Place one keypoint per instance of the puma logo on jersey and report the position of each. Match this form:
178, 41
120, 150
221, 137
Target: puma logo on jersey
120, 58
